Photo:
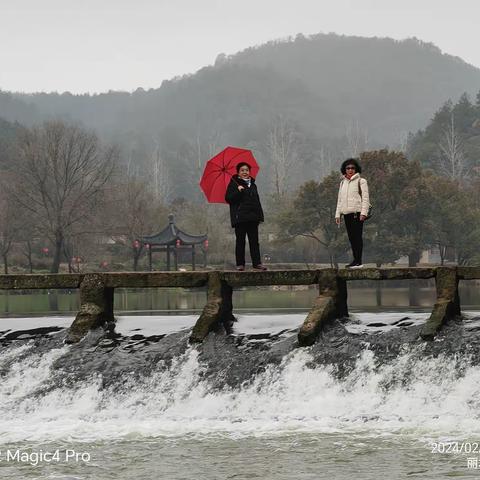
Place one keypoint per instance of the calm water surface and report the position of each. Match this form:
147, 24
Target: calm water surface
408, 294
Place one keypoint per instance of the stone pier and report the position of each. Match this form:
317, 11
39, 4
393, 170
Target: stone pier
447, 306
331, 303
96, 308
218, 309
97, 289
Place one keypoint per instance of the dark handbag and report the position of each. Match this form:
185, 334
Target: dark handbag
370, 207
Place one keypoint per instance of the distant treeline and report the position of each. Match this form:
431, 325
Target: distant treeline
415, 210
314, 99
302, 105
64, 201
450, 144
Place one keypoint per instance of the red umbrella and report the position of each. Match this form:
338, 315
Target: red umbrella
220, 169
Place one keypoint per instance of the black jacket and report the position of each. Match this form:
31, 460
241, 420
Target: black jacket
245, 206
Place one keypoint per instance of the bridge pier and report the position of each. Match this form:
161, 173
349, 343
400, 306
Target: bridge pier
447, 306
331, 303
96, 293
96, 307
217, 310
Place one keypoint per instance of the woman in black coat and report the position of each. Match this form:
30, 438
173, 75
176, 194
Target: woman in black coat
245, 214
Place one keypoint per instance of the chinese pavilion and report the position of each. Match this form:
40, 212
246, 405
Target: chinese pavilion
173, 240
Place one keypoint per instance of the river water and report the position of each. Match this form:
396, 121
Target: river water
368, 401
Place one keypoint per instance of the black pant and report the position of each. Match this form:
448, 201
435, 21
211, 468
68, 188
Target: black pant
241, 230
355, 231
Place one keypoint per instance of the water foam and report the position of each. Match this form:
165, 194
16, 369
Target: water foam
409, 395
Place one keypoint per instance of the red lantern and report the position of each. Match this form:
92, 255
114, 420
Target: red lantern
205, 243
178, 243
147, 245
136, 244
45, 250
104, 264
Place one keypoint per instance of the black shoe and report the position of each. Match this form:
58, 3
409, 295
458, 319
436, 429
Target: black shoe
356, 265
260, 267
351, 264
240, 268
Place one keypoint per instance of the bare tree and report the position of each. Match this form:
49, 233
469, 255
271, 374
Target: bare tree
452, 153
214, 141
27, 237
160, 177
356, 139
136, 213
62, 172
283, 150
10, 225
198, 147
402, 142
325, 159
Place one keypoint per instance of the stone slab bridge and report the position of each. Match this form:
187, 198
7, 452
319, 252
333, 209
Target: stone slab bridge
97, 309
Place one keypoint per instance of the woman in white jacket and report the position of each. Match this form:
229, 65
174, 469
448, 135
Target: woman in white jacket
353, 203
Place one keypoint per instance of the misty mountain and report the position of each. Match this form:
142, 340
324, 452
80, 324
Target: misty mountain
389, 86
337, 94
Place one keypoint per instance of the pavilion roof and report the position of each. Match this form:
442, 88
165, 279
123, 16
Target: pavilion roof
171, 233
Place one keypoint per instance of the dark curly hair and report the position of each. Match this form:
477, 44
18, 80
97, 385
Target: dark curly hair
350, 161
243, 164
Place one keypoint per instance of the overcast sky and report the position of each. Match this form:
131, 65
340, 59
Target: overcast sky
101, 45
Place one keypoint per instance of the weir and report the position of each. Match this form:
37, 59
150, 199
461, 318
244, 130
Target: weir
97, 293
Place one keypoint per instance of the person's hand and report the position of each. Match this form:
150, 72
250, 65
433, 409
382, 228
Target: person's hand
240, 188
363, 218
337, 220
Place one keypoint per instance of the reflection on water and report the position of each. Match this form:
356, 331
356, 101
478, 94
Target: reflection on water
398, 294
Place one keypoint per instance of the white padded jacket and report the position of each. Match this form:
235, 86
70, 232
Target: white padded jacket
349, 198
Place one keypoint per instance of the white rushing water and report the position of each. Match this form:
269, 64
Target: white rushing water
295, 396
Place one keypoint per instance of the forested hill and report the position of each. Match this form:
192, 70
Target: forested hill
330, 95
387, 85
